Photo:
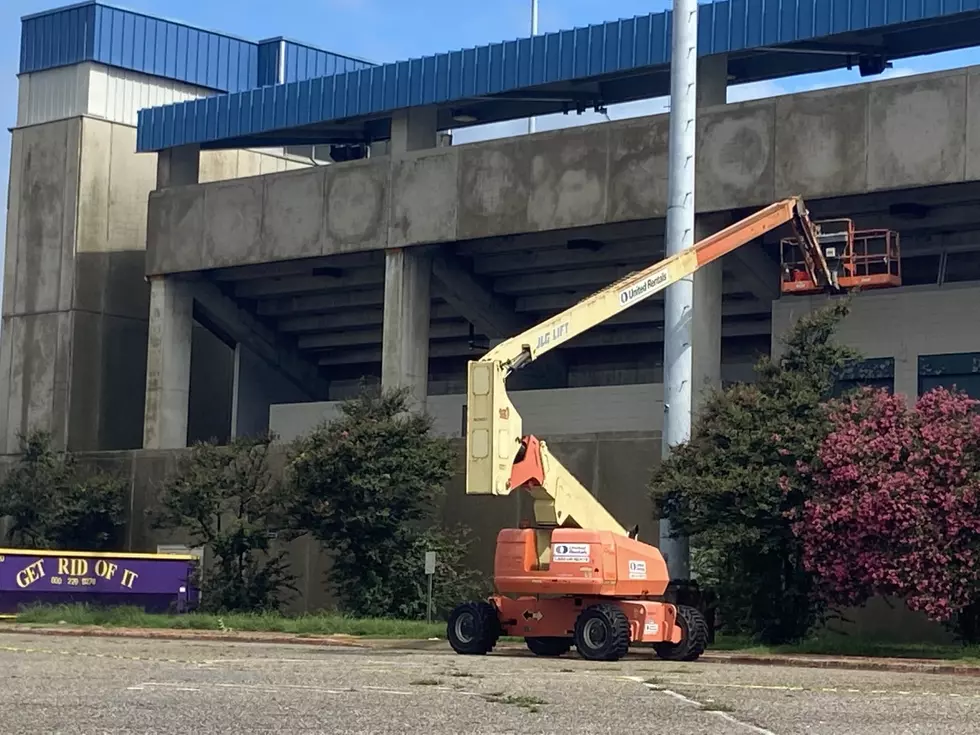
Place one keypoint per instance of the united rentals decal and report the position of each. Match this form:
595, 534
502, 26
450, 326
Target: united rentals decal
641, 290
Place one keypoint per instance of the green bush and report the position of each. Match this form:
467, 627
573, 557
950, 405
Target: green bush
55, 503
731, 486
227, 499
366, 485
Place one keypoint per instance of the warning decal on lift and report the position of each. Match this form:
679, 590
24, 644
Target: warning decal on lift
570, 552
638, 569
651, 628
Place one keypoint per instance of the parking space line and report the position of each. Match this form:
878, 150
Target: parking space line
693, 702
88, 654
824, 690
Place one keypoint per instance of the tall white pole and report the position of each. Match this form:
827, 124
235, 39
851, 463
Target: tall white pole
534, 32
679, 298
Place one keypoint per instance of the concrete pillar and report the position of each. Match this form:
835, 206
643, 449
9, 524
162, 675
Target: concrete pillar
178, 166
712, 80
168, 364
408, 279
405, 335
712, 90
413, 130
706, 317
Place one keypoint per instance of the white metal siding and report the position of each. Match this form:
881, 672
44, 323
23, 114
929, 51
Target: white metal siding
900, 323
54, 94
118, 94
93, 89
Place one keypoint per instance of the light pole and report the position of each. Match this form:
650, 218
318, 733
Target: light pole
679, 297
534, 32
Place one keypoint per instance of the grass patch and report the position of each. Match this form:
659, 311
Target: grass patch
837, 645
303, 625
717, 707
308, 626
531, 704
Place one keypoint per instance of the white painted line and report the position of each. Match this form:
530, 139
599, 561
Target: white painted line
387, 691
723, 715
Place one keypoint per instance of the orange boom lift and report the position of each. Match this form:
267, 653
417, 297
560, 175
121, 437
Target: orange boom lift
577, 577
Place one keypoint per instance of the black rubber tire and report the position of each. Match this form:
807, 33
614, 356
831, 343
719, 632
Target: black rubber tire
484, 632
549, 646
612, 622
694, 637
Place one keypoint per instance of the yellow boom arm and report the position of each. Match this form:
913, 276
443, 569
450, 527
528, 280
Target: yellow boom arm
494, 436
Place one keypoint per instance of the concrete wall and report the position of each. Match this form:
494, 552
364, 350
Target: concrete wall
75, 305
257, 386
593, 410
889, 134
900, 323
615, 467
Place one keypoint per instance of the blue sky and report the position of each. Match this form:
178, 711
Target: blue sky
388, 30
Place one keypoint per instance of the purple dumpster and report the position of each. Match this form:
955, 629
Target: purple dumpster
153, 582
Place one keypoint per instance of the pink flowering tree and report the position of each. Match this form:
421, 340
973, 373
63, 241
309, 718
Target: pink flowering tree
894, 503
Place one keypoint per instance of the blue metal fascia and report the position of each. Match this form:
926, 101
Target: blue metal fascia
604, 49
57, 38
94, 31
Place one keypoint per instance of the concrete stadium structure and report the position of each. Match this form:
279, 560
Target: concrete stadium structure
209, 237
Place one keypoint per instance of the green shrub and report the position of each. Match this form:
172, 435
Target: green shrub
366, 485
227, 499
53, 502
731, 486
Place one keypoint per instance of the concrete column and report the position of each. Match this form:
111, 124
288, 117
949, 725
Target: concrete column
706, 317
168, 364
712, 90
178, 166
405, 335
712, 80
413, 130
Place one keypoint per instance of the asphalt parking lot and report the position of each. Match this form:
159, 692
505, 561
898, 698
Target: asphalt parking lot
105, 685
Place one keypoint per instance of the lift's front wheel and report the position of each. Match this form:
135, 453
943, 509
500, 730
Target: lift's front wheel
473, 628
694, 637
602, 633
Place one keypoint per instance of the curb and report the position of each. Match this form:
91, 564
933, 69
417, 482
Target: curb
188, 635
903, 666
910, 666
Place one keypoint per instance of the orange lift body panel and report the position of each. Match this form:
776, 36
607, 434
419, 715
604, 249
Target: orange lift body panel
585, 564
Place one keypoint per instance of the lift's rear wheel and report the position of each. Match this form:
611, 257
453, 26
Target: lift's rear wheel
549, 646
602, 633
473, 628
694, 637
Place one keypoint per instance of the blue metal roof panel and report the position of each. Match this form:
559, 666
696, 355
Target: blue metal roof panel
173, 50
565, 56
50, 40
93, 31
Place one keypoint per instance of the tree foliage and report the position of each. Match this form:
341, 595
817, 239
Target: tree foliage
895, 508
53, 502
366, 485
730, 487
227, 499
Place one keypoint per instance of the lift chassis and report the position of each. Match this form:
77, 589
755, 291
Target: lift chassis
576, 577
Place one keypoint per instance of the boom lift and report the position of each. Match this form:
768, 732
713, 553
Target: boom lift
577, 577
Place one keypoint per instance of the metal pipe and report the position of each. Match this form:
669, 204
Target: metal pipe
534, 32
679, 297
